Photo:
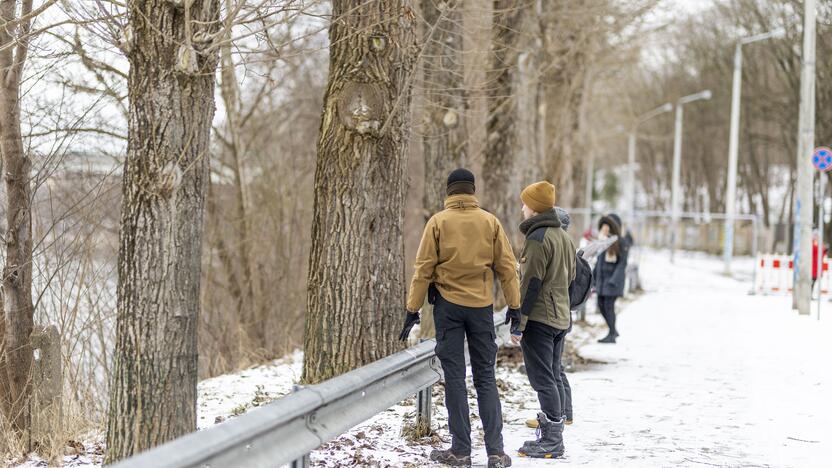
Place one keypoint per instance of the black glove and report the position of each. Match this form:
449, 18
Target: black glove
410, 319
513, 316
432, 293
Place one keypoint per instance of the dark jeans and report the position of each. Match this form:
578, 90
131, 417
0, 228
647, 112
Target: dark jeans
565, 391
607, 306
542, 350
453, 324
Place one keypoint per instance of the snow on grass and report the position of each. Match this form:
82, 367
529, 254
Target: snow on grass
77, 454
231, 395
220, 398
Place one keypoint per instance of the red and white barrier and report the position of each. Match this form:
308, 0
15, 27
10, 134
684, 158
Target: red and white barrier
775, 275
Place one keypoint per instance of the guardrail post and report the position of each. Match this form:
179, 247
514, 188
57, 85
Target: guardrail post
302, 462
424, 404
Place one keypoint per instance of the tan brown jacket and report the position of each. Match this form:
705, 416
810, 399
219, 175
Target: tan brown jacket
461, 249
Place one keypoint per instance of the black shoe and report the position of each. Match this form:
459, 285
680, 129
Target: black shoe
549, 443
607, 339
615, 333
449, 458
499, 461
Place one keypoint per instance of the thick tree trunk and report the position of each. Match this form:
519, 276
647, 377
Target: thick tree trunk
502, 186
171, 89
356, 266
445, 139
16, 344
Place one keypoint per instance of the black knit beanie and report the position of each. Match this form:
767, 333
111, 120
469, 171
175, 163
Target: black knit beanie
461, 181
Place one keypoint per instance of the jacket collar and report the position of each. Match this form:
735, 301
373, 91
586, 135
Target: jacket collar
540, 220
461, 202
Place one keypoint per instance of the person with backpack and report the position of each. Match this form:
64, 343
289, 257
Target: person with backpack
547, 266
462, 249
610, 273
564, 389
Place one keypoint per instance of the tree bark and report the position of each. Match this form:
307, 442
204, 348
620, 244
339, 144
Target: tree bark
171, 91
445, 139
502, 186
356, 266
16, 345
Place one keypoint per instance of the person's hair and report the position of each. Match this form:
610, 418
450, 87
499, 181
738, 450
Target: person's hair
615, 230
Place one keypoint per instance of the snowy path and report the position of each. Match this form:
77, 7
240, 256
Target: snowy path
703, 374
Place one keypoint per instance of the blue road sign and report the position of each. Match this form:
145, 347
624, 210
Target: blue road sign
822, 159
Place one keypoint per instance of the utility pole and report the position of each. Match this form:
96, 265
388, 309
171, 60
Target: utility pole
805, 175
734, 144
733, 156
676, 193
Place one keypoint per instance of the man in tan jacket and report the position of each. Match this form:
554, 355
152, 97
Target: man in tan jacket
462, 248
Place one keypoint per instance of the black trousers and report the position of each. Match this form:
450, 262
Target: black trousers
542, 350
453, 324
607, 306
564, 389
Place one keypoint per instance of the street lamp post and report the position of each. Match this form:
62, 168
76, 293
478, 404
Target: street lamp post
631, 156
675, 197
733, 145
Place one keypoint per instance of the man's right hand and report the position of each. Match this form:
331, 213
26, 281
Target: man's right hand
410, 319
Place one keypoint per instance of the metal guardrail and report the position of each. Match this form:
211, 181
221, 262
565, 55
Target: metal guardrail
287, 429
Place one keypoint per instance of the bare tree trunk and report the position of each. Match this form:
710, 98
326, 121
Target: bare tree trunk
501, 183
356, 266
16, 343
445, 140
251, 312
171, 89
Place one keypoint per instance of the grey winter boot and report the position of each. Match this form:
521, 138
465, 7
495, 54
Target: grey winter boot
449, 458
549, 443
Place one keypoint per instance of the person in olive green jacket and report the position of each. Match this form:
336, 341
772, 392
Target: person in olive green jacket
548, 267
462, 248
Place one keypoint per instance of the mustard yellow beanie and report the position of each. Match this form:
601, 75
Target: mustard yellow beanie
539, 196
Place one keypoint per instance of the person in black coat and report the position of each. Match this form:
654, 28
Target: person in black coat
610, 272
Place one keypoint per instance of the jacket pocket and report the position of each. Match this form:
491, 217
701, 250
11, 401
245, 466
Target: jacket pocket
440, 347
554, 306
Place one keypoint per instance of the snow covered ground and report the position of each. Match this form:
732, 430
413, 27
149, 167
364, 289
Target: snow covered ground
703, 375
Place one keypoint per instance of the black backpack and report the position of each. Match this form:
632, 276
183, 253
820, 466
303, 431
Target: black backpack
582, 284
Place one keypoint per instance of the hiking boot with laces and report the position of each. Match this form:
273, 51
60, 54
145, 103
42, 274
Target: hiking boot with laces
449, 458
499, 461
